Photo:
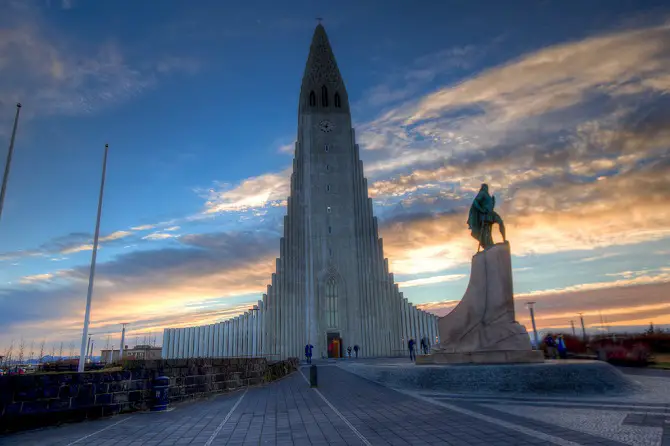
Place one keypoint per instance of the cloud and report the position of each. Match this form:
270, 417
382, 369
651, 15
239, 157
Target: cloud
67, 244
624, 304
431, 280
195, 281
253, 193
573, 140
287, 149
143, 227
172, 228
54, 73
159, 236
36, 278
598, 257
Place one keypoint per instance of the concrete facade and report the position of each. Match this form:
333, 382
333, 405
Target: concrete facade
331, 280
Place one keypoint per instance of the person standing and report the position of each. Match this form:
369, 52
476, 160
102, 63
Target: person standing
410, 346
423, 345
308, 353
349, 351
356, 348
562, 349
551, 346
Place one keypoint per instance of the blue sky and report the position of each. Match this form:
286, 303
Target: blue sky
562, 108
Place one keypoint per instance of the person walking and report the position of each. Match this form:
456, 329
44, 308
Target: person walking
410, 346
308, 353
423, 345
349, 351
562, 349
356, 348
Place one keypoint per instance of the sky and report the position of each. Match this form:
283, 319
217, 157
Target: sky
562, 108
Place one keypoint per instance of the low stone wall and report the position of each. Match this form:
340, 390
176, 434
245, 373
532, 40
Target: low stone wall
34, 400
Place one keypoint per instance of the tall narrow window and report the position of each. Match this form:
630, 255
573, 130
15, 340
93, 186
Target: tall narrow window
326, 148
328, 209
338, 102
328, 188
312, 99
331, 302
327, 167
324, 96
330, 230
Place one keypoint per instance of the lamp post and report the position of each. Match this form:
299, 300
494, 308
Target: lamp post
581, 318
8, 164
531, 307
123, 341
572, 324
91, 277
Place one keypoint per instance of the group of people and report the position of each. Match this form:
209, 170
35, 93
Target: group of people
310, 347
555, 346
411, 345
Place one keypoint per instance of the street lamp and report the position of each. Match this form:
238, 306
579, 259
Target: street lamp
91, 277
531, 307
581, 318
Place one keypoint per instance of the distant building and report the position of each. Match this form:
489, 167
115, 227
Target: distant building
143, 352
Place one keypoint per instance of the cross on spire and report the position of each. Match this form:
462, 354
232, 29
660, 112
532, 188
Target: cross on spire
319, 19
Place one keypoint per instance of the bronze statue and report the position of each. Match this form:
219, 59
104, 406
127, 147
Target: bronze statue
482, 216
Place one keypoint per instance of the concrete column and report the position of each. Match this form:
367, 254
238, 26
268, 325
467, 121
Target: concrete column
417, 326
204, 334
248, 330
412, 320
233, 337
200, 340
179, 339
403, 320
186, 347
238, 333
208, 340
187, 342
226, 338
264, 325
172, 352
243, 334
214, 350
281, 278
382, 296
222, 342
408, 321
422, 320
195, 333
214, 340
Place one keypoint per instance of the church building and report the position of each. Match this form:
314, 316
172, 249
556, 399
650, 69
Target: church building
332, 287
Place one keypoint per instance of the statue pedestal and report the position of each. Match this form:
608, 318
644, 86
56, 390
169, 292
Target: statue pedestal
482, 328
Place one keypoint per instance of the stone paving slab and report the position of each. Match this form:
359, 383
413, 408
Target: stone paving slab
345, 410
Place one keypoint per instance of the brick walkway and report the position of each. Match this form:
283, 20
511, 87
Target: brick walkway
346, 410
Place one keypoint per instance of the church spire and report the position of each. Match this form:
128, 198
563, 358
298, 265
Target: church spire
322, 84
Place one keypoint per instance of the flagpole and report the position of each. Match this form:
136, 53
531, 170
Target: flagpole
9, 159
91, 277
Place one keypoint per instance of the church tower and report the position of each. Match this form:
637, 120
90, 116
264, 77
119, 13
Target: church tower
339, 277
332, 287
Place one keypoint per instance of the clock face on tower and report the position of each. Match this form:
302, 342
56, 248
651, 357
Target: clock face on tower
326, 126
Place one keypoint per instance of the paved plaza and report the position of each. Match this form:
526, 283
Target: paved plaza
348, 410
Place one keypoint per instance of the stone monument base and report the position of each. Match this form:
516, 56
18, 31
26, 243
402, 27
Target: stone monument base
483, 357
552, 377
